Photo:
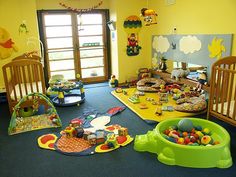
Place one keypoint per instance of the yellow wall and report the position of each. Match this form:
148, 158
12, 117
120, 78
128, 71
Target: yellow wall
82, 4
189, 16
195, 17
129, 65
12, 13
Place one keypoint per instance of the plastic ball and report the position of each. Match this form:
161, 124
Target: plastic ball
200, 134
185, 134
180, 141
206, 131
198, 128
206, 140
166, 132
171, 139
174, 134
187, 140
185, 125
193, 139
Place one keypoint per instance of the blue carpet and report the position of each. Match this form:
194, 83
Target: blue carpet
21, 157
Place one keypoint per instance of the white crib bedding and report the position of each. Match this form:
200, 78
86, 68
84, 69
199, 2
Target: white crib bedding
17, 88
231, 111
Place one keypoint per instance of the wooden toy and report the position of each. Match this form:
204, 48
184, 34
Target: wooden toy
86, 134
76, 122
69, 131
123, 131
92, 139
158, 111
79, 132
111, 140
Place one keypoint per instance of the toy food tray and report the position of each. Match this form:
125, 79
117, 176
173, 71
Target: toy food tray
183, 155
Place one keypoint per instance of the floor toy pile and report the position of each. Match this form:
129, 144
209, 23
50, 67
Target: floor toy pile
196, 143
94, 136
31, 118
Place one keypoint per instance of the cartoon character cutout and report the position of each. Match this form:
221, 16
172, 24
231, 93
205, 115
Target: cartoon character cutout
149, 15
132, 26
7, 46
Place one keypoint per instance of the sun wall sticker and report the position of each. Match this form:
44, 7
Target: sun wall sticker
216, 48
7, 46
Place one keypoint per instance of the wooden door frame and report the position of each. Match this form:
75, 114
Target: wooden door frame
106, 40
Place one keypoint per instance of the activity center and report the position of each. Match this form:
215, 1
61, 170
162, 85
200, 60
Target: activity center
117, 88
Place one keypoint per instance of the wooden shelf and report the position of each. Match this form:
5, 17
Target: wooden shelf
166, 76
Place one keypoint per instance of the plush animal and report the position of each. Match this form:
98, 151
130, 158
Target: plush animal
178, 73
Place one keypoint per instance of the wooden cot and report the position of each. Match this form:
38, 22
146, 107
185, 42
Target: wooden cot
22, 77
223, 90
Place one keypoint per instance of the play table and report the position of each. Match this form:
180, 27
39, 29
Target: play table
66, 97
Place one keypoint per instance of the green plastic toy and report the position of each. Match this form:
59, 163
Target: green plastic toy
183, 155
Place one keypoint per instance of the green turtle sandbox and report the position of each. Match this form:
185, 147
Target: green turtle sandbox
184, 155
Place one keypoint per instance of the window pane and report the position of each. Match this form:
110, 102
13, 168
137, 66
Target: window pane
91, 53
90, 30
91, 62
90, 41
94, 72
58, 31
57, 20
61, 65
59, 43
89, 19
67, 74
60, 55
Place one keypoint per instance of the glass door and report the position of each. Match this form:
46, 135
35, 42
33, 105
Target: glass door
92, 49
76, 44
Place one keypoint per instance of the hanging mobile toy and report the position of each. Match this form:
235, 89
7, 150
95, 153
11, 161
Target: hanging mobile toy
149, 16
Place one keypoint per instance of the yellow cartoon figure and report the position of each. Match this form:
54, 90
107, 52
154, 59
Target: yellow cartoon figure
216, 48
7, 46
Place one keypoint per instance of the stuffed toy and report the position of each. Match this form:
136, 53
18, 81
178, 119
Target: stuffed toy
178, 73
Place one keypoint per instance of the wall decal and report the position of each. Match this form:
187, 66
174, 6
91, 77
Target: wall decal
189, 44
199, 49
132, 26
23, 28
161, 44
81, 10
7, 46
216, 48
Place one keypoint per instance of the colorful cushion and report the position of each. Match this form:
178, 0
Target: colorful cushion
193, 104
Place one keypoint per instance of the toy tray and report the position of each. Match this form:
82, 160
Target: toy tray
69, 100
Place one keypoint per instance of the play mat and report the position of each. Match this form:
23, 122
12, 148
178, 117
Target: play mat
35, 116
88, 134
148, 113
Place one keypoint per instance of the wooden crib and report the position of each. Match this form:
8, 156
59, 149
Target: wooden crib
21, 77
223, 90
